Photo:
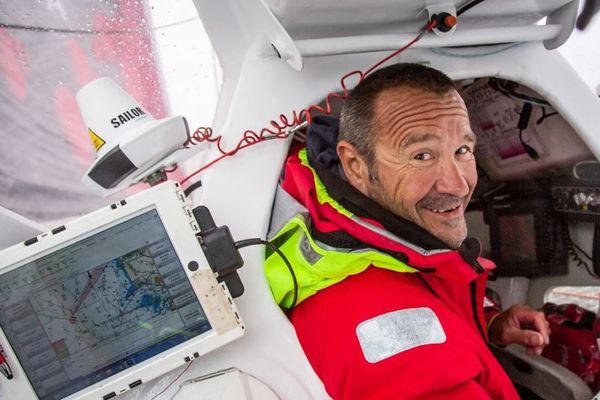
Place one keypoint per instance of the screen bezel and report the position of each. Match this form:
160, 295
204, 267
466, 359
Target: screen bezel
544, 225
170, 204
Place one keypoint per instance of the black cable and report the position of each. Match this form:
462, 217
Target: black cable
495, 83
522, 125
580, 249
545, 115
253, 242
572, 249
467, 6
531, 152
188, 190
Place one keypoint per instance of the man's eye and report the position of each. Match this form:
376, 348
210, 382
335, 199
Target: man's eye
423, 156
464, 150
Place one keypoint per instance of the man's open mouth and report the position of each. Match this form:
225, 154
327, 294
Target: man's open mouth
444, 210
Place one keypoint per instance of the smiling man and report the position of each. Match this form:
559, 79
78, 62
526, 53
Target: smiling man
422, 167
388, 302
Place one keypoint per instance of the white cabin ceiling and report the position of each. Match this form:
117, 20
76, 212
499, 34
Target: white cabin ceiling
305, 19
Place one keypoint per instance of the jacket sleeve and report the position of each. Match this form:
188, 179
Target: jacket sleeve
491, 308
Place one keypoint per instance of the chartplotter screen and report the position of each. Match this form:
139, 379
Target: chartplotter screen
98, 306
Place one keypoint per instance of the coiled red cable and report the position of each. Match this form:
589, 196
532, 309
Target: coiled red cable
279, 128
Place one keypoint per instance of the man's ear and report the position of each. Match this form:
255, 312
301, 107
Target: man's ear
354, 166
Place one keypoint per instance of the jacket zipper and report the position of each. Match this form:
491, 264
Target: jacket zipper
473, 286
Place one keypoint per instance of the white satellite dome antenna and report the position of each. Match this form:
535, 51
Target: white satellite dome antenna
131, 145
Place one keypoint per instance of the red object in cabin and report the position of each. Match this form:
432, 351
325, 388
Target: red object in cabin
573, 341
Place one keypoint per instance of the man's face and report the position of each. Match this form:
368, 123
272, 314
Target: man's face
424, 166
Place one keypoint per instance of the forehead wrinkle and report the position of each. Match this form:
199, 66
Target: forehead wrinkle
414, 100
401, 125
391, 98
393, 109
412, 108
410, 111
396, 114
418, 117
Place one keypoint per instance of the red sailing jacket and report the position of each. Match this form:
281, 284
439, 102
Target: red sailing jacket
382, 334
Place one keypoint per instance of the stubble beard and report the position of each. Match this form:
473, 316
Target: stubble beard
377, 193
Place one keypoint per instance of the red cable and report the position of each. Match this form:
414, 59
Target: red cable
174, 380
278, 128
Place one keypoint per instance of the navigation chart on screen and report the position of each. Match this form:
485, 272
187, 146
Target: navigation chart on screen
77, 311
99, 305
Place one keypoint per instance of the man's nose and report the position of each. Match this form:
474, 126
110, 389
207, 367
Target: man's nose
452, 179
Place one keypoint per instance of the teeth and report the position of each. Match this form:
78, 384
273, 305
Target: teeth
444, 210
